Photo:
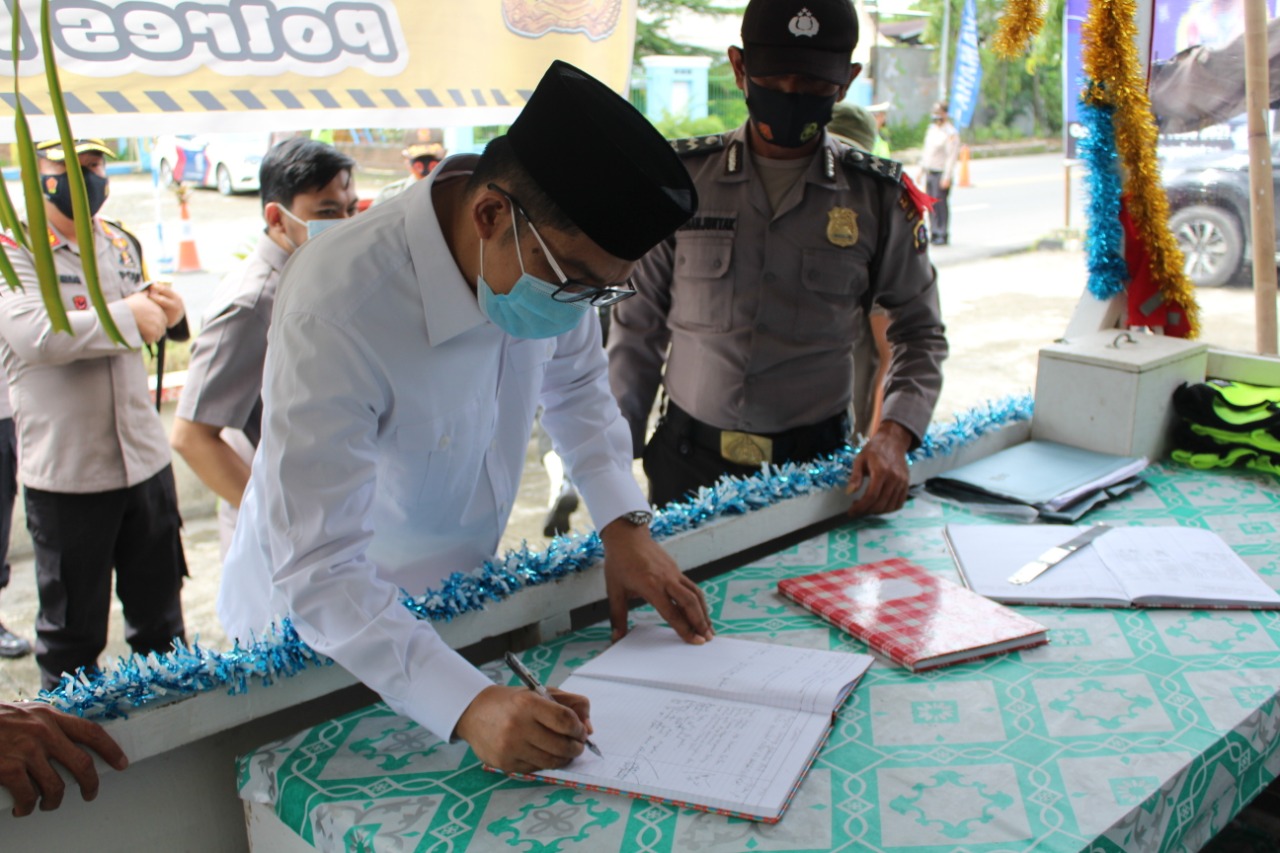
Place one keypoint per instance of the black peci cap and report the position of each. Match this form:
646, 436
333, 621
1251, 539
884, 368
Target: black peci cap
812, 37
602, 163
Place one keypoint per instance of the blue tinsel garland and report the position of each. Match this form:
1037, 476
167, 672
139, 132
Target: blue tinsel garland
188, 670
1104, 241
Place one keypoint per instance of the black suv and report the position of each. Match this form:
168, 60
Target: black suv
1209, 209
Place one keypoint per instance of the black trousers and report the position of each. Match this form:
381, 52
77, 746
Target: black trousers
78, 539
683, 455
8, 492
940, 215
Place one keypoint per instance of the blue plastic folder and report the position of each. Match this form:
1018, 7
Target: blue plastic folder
1048, 476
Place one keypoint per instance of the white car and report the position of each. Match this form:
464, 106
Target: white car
227, 161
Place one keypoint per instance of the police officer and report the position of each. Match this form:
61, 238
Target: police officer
420, 158
763, 295
306, 186
93, 458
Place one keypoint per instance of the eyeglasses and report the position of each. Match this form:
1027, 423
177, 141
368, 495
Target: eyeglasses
571, 290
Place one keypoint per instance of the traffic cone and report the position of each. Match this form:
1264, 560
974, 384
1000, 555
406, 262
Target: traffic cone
964, 166
188, 260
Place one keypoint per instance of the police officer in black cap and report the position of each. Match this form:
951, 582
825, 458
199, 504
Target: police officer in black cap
408, 351
750, 316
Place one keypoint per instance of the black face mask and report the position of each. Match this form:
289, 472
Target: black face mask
57, 188
786, 119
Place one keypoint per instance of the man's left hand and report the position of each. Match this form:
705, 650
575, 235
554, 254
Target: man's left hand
882, 462
636, 566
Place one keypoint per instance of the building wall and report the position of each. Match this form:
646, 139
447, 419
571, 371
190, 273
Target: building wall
908, 78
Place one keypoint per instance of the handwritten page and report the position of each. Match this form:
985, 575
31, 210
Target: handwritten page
732, 725
1153, 562
764, 673
717, 753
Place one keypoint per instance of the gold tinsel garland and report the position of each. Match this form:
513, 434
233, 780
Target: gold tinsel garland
1110, 61
1020, 23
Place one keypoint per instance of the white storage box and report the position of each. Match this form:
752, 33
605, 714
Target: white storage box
1112, 391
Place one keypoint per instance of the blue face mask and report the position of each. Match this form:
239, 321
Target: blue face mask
528, 311
314, 226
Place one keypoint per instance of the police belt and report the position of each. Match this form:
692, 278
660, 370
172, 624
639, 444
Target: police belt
744, 448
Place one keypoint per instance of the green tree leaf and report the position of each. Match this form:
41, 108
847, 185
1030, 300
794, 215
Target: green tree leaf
41, 252
75, 177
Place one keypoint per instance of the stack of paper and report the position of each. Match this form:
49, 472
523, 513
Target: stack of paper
1058, 482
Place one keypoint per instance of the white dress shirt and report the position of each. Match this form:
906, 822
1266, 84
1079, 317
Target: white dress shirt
396, 420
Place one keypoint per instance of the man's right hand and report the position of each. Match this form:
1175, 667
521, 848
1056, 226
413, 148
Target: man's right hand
32, 735
515, 729
149, 316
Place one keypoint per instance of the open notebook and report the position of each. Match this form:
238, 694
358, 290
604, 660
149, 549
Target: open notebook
1165, 566
731, 726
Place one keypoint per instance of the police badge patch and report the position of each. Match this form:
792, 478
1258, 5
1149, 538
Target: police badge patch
842, 227
921, 237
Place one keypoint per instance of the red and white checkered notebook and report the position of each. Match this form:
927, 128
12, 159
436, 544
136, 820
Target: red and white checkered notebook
914, 618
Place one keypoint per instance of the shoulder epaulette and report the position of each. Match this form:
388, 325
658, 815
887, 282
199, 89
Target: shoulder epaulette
119, 226
698, 144
881, 167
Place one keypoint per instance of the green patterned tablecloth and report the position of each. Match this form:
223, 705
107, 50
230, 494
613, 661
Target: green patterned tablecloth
1131, 730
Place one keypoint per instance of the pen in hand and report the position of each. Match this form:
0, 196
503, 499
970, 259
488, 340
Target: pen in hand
536, 686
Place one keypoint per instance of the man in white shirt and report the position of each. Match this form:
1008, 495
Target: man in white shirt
407, 354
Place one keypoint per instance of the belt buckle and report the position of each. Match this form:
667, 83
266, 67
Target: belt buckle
743, 448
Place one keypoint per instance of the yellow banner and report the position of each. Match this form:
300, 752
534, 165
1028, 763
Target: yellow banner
131, 67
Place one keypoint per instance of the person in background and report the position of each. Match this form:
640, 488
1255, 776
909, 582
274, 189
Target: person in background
306, 186
92, 453
855, 125
749, 315
938, 160
409, 350
420, 158
11, 645
860, 126
32, 737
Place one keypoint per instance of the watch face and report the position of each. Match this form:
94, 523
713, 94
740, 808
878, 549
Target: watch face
639, 518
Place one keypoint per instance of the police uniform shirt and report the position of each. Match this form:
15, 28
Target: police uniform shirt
762, 308
395, 426
84, 413
941, 148
224, 379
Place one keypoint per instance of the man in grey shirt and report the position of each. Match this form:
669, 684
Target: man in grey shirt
762, 297
305, 186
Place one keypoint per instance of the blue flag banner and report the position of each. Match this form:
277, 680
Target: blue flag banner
966, 77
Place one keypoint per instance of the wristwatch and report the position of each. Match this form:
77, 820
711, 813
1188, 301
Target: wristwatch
639, 517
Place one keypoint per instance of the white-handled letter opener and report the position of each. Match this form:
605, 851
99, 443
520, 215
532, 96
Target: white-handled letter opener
1056, 555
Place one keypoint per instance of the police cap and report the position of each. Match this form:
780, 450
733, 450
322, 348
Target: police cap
811, 37
601, 162
51, 149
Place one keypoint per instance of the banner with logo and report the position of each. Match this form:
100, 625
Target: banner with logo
130, 67
966, 78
